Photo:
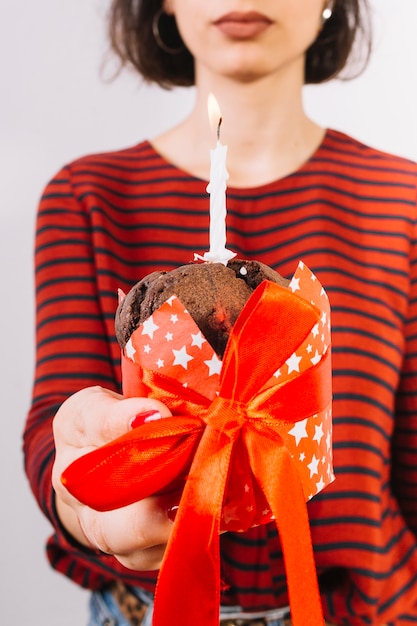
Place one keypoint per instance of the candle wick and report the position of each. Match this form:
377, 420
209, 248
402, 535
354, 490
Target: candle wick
218, 128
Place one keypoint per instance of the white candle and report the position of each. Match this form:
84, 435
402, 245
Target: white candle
218, 252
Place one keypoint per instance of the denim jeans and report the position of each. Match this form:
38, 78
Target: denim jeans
104, 611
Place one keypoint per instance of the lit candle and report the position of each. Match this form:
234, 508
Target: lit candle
217, 190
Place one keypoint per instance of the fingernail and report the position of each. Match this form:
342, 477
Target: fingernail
146, 416
172, 512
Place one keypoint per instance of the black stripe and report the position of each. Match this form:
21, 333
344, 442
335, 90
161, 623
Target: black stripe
342, 495
245, 567
347, 519
364, 547
361, 374
68, 316
320, 190
357, 397
362, 332
64, 279
173, 193
71, 337
360, 470
174, 175
62, 356
358, 445
56, 243
74, 376
67, 298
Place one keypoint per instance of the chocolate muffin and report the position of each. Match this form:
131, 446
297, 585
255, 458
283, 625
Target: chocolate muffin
214, 295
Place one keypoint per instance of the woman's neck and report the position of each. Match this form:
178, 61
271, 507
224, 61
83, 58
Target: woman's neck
263, 124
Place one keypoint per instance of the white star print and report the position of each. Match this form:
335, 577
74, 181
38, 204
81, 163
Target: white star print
315, 330
214, 365
130, 350
329, 440
181, 357
313, 465
197, 340
316, 358
160, 363
147, 349
169, 336
299, 431
293, 363
174, 318
318, 434
294, 284
149, 327
320, 484
230, 514
171, 300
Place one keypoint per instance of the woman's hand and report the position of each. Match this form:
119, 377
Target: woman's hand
136, 534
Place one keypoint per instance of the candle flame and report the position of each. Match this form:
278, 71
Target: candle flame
214, 113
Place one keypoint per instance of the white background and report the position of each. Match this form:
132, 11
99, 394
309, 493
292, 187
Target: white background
55, 105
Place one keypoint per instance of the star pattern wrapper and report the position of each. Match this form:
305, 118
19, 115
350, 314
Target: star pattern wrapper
256, 429
170, 342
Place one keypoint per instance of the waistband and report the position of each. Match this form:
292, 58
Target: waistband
274, 617
134, 608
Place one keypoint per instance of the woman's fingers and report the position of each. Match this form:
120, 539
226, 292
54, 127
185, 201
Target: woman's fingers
136, 534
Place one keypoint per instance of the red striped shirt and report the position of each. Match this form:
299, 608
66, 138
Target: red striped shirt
349, 213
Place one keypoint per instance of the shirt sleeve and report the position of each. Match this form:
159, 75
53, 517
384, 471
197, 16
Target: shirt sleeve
72, 347
404, 447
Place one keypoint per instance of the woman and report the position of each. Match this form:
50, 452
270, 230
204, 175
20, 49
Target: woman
296, 191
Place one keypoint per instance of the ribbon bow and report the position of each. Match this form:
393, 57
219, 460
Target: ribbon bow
198, 447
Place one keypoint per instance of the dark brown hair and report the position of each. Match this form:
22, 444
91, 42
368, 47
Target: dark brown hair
133, 40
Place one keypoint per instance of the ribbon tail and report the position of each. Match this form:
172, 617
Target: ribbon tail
190, 572
145, 461
285, 497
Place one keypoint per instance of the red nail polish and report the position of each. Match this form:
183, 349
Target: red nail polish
146, 416
172, 512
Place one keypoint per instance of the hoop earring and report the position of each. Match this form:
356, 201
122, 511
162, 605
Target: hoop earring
157, 33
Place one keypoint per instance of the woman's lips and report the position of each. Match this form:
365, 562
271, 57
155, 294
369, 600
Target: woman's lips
242, 25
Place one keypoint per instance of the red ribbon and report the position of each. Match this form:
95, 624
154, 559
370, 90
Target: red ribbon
199, 445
